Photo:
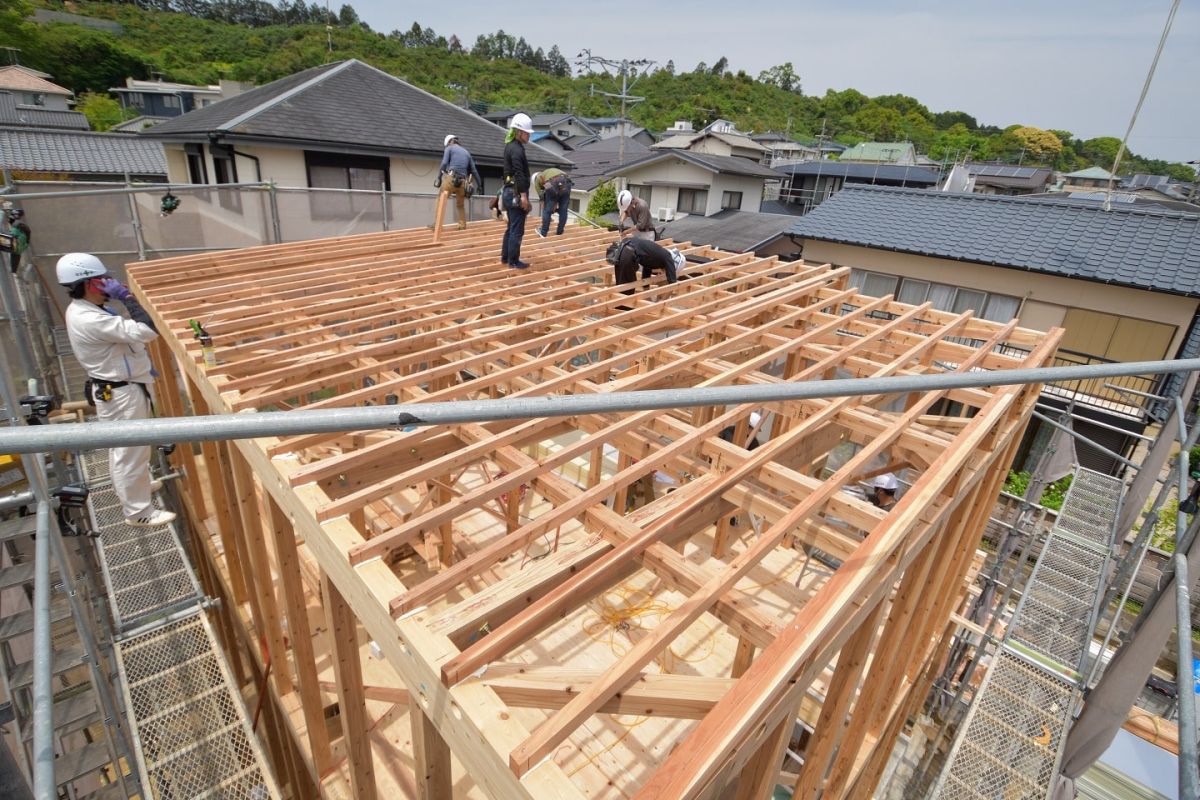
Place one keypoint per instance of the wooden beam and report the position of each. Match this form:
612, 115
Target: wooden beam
431, 757
343, 640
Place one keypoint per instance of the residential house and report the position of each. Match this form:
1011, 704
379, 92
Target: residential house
1008, 179
782, 149
717, 143
41, 153
159, 99
899, 153
30, 87
810, 183
549, 141
595, 159
610, 127
14, 113
568, 129
1121, 282
677, 181
345, 125
1090, 178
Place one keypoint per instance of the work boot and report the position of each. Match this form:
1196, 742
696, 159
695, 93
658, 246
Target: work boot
153, 518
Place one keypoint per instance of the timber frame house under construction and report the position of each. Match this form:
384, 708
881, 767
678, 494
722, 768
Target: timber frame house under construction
594, 606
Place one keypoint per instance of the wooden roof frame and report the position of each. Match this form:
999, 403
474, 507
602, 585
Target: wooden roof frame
395, 317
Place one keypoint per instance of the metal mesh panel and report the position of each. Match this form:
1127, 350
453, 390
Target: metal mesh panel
310, 214
206, 218
1010, 741
146, 570
192, 730
1055, 613
96, 469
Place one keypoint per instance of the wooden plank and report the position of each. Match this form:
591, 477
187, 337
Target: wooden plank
431, 757
343, 640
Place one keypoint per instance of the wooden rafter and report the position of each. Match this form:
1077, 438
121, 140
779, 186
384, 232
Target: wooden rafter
526, 579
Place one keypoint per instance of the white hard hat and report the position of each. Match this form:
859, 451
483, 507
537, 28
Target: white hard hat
624, 199
887, 481
450, 137
521, 122
679, 260
533, 181
75, 267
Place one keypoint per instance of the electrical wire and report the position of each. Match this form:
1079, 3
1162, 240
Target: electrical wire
1142, 99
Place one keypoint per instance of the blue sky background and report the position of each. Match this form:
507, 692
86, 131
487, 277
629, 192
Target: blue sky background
1069, 64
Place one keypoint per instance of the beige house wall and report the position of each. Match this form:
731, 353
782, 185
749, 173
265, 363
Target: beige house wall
1045, 298
669, 175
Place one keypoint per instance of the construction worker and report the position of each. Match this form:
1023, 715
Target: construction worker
883, 490
112, 349
455, 177
516, 189
637, 210
21, 236
554, 188
627, 255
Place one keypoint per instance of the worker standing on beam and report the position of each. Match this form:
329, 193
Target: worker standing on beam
112, 350
637, 210
554, 188
457, 176
516, 189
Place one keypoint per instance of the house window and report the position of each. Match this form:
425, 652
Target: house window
224, 167
693, 201
35, 99
170, 101
731, 200
346, 171
640, 191
135, 99
563, 134
943, 297
197, 169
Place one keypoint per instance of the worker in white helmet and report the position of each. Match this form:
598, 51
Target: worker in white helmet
883, 490
458, 176
637, 210
112, 350
516, 189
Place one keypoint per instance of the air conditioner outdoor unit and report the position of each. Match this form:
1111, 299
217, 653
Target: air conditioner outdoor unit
666, 214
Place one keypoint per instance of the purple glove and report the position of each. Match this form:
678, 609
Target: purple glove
115, 289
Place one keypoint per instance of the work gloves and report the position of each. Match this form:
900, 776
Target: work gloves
115, 289
437, 182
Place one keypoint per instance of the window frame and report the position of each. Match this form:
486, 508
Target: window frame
693, 195
726, 198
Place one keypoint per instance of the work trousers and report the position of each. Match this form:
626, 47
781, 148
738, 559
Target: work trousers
555, 202
459, 193
130, 466
510, 248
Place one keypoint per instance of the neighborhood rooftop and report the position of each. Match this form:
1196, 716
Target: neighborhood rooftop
731, 165
78, 152
1141, 248
846, 169
310, 108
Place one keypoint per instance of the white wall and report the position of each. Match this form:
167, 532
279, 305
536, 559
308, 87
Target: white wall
751, 189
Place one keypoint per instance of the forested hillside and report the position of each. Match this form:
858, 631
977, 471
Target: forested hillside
200, 41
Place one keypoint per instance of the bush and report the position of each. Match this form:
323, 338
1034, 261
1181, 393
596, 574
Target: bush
604, 200
1017, 483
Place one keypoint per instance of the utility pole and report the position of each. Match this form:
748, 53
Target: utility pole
637, 68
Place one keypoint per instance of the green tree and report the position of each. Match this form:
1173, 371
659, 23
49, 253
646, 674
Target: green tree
102, 111
783, 75
604, 200
1042, 145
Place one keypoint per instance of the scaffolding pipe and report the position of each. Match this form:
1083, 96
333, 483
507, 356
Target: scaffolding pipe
1085, 440
1188, 778
129, 433
18, 322
1096, 422
129, 188
43, 694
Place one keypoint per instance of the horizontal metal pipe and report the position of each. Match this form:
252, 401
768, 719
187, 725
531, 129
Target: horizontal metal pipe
1096, 422
93, 435
146, 187
1085, 440
16, 500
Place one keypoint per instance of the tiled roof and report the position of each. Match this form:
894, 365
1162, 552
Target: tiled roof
349, 105
1010, 175
1142, 248
24, 80
41, 150
1092, 173
33, 116
736, 231
729, 165
593, 160
863, 172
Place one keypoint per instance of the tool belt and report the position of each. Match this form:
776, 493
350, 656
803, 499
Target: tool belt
102, 389
456, 179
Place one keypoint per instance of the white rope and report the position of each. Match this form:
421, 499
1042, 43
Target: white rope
1145, 90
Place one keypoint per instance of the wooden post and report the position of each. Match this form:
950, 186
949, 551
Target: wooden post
431, 757
742, 658
347, 669
301, 640
445, 496
757, 779
438, 214
170, 398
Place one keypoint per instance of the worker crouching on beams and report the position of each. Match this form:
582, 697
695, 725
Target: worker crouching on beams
112, 350
629, 254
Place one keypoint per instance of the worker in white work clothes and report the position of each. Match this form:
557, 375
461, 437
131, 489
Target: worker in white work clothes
883, 490
112, 350
458, 176
637, 211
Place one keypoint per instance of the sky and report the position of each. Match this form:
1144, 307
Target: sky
1076, 65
